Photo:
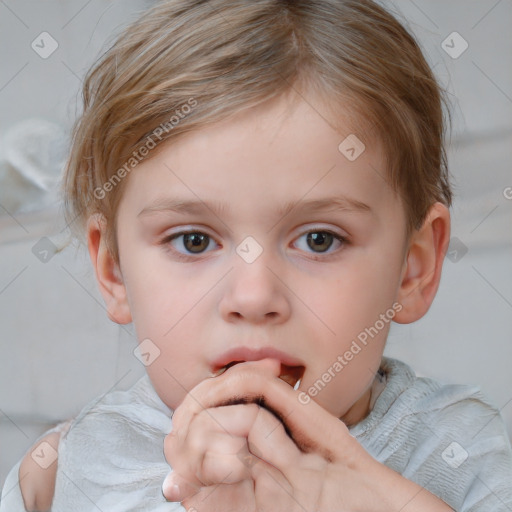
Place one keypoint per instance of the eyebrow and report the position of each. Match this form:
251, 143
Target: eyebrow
186, 206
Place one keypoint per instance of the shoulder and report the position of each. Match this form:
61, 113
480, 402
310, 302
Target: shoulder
137, 411
408, 394
38, 471
114, 448
423, 428
429, 408
112, 421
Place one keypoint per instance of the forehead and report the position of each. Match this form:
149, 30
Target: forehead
293, 148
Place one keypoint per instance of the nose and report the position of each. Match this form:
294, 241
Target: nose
254, 293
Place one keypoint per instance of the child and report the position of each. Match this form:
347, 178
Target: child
263, 186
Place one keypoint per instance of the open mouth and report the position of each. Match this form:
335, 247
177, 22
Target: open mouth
292, 375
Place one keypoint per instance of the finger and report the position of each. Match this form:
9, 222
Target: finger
193, 403
215, 423
214, 449
177, 488
220, 462
209, 430
223, 456
310, 426
268, 440
282, 475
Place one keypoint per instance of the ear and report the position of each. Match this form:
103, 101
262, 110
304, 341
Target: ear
108, 273
422, 268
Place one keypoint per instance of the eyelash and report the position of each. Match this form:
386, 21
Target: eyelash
166, 241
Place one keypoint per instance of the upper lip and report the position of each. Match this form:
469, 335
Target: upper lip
242, 354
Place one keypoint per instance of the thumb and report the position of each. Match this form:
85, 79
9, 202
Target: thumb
176, 488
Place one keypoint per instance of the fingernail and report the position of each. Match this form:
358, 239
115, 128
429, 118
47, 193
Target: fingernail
297, 384
170, 489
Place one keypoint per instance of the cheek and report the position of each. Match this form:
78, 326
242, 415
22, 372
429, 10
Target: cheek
344, 382
172, 375
352, 299
356, 308
173, 322
155, 295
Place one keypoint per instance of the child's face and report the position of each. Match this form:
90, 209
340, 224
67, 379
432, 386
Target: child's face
198, 298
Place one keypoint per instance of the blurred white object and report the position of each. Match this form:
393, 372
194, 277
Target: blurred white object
32, 158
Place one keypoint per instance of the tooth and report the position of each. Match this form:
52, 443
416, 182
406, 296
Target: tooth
219, 372
297, 384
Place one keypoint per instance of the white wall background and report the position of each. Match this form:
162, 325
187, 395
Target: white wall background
58, 350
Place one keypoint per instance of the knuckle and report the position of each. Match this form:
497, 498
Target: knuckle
196, 441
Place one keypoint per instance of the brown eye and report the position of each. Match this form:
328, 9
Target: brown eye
320, 241
188, 243
195, 242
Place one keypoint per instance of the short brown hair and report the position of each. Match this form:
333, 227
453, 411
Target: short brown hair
223, 56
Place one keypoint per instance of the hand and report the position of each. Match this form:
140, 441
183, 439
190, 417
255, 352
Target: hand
243, 442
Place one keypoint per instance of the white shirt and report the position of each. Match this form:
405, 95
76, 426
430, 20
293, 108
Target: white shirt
447, 438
